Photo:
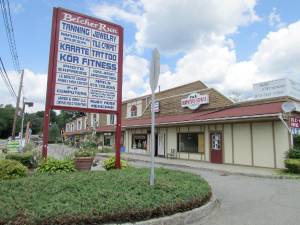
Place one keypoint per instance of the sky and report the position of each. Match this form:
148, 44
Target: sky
229, 45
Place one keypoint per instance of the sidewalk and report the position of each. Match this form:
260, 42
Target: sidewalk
222, 168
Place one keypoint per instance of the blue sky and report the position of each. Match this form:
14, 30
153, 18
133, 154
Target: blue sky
218, 50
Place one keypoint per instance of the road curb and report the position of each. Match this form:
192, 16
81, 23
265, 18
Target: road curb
184, 218
224, 172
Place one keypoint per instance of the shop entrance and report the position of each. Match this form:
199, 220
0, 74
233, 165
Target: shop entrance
156, 145
216, 148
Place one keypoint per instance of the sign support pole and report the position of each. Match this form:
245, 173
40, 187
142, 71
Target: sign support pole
152, 139
49, 94
118, 142
154, 76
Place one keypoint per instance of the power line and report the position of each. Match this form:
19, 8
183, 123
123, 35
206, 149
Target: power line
7, 19
6, 79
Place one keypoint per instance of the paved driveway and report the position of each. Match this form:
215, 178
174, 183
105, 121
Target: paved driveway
250, 200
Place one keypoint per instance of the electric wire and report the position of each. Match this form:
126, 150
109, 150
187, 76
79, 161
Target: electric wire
6, 79
7, 19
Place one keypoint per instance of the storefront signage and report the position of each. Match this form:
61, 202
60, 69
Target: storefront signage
194, 101
156, 107
294, 122
276, 88
295, 125
86, 63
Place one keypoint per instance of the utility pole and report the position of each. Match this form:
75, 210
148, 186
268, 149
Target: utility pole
13, 134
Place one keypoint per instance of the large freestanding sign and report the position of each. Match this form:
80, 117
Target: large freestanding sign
85, 67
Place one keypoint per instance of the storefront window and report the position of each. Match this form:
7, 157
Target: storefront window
107, 140
216, 141
191, 142
139, 141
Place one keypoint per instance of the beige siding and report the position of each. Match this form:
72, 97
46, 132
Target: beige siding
227, 144
195, 129
206, 143
242, 144
263, 153
172, 139
281, 142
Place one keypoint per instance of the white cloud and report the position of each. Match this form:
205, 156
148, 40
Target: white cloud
274, 19
135, 72
199, 30
278, 54
34, 89
175, 25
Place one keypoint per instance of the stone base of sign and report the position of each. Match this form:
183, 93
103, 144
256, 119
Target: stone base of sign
184, 218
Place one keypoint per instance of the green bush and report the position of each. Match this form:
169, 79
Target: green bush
54, 133
293, 154
10, 169
110, 163
88, 144
293, 165
52, 166
297, 142
4, 150
27, 159
28, 147
85, 152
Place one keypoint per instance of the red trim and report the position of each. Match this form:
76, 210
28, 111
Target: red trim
49, 93
119, 100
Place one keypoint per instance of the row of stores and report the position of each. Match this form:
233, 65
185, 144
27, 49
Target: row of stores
198, 123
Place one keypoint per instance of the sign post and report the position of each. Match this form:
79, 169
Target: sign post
85, 68
154, 76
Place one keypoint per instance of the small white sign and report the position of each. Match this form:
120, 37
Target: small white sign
276, 88
194, 100
156, 107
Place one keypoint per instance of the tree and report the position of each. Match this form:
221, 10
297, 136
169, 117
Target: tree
54, 133
6, 120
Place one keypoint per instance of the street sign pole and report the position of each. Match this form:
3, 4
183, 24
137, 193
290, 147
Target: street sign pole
154, 75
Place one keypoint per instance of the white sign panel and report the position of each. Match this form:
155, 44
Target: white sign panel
87, 63
194, 100
276, 88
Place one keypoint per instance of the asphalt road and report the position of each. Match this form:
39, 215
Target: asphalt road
250, 200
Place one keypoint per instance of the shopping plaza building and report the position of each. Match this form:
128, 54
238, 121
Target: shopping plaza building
196, 122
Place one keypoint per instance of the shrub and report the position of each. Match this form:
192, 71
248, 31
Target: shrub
27, 159
110, 163
52, 166
293, 154
4, 150
10, 169
297, 142
293, 165
54, 133
88, 144
85, 153
28, 147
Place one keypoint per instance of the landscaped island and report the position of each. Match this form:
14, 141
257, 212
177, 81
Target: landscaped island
99, 197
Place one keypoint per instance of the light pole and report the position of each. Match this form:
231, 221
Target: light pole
30, 104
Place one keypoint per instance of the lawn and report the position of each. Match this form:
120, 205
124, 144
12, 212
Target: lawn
97, 197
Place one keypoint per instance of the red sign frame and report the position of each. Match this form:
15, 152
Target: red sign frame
52, 68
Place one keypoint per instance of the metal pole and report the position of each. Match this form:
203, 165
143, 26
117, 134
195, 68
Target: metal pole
152, 139
13, 133
22, 125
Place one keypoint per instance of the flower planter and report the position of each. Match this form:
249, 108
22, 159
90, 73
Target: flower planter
83, 163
